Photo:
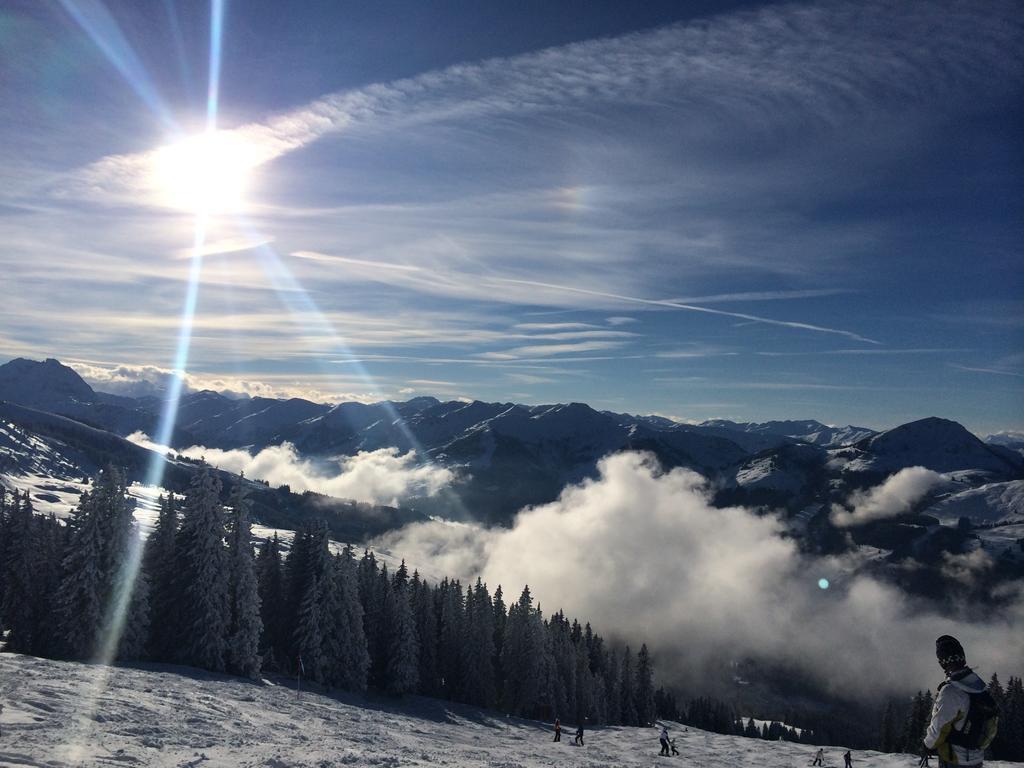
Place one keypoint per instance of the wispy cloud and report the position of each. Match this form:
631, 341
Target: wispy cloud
978, 369
692, 308
754, 66
547, 350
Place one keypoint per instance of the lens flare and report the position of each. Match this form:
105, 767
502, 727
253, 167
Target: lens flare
823, 584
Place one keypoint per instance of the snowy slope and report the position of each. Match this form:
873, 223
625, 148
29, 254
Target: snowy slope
157, 717
989, 503
758, 436
938, 444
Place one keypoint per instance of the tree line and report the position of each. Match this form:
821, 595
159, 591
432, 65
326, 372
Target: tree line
201, 592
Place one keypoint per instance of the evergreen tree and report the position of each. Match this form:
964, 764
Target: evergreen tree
309, 633
296, 582
1011, 723
402, 672
644, 687
159, 566
627, 691
479, 647
202, 576
500, 617
613, 687
79, 607
521, 653
19, 608
244, 624
584, 695
371, 597
123, 589
48, 545
890, 727
329, 637
450, 634
273, 645
132, 644
346, 642
426, 635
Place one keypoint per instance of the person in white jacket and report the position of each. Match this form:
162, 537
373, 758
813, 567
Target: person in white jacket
956, 734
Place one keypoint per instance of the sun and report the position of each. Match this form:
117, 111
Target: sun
205, 174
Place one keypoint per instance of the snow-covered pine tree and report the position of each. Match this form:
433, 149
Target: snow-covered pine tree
500, 617
402, 670
350, 661
613, 687
159, 566
19, 610
296, 578
135, 634
522, 655
274, 643
479, 645
79, 606
585, 709
426, 635
380, 643
123, 590
244, 624
202, 576
627, 691
644, 687
450, 634
559, 667
309, 636
48, 547
371, 598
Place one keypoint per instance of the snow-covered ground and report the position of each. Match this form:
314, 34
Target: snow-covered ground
989, 503
167, 716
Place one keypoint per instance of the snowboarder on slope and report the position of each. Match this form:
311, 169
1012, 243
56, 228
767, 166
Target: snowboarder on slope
847, 760
578, 741
964, 717
664, 740
558, 729
819, 759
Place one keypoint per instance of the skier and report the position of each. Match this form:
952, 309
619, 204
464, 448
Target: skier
819, 759
847, 760
578, 741
558, 729
664, 740
672, 743
965, 716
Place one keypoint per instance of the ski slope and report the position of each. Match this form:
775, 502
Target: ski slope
167, 716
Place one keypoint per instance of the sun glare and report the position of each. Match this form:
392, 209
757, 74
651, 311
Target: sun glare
207, 173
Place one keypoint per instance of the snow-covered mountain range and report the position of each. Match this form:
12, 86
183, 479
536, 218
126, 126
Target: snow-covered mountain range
55, 428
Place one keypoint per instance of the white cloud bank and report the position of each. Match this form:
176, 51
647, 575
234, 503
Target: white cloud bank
642, 554
896, 496
377, 477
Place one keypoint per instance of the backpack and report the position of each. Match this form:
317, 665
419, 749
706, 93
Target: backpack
980, 724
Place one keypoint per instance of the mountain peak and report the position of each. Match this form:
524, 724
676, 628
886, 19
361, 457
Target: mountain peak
939, 444
48, 384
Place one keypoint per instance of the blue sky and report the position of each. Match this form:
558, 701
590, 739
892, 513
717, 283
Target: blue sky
752, 211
